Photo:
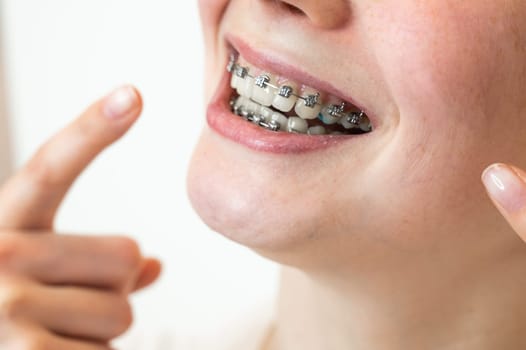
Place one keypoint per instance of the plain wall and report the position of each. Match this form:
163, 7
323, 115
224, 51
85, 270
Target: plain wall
5, 144
61, 55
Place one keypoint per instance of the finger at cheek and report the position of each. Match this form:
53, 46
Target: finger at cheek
517, 221
507, 189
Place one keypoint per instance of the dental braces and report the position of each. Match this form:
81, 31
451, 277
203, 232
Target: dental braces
274, 125
271, 125
285, 91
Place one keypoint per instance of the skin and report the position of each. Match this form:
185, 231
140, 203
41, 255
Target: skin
388, 243
65, 291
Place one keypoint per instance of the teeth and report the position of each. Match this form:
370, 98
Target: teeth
332, 113
246, 86
275, 121
281, 120
308, 108
260, 97
239, 105
272, 125
241, 71
284, 99
266, 113
252, 107
327, 118
365, 124
346, 124
351, 121
317, 130
231, 63
297, 125
235, 81
238, 75
262, 93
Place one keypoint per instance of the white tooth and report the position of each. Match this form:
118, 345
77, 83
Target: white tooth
285, 104
240, 102
246, 86
297, 125
307, 112
346, 124
365, 124
281, 120
264, 95
317, 130
234, 82
266, 113
252, 107
327, 118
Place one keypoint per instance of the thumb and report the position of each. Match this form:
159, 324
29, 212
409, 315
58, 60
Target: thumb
30, 199
506, 186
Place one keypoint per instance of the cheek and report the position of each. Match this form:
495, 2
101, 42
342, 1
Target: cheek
454, 76
212, 12
442, 59
451, 71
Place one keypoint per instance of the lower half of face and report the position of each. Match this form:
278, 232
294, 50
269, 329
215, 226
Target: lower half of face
325, 140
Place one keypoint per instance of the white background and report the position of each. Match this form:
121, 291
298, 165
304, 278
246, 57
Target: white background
62, 54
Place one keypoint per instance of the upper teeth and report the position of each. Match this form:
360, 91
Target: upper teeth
285, 91
262, 81
263, 91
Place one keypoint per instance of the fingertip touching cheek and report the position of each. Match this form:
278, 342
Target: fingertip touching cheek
456, 71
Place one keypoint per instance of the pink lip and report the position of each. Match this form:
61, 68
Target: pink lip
224, 122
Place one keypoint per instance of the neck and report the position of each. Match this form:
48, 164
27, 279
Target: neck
417, 306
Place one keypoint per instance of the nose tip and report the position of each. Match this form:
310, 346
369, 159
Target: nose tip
326, 14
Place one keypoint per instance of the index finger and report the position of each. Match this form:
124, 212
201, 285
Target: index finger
29, 200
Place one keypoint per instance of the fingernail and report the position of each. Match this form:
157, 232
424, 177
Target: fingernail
505, 187
120, 102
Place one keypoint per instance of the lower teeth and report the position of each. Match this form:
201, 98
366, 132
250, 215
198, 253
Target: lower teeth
270, 119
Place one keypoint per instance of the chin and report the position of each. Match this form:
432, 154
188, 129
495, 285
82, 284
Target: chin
236, 196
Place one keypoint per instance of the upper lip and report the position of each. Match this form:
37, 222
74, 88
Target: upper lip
271, 62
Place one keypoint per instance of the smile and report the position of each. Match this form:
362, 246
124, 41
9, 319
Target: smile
268, 105
280, 105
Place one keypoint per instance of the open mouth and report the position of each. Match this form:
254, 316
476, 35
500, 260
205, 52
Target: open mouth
279, 104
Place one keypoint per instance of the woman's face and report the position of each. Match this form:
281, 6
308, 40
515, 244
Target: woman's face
443, 82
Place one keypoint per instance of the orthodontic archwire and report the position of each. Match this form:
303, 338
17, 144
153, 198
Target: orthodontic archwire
285, 91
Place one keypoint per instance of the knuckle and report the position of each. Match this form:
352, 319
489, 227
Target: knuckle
123, 317
128, 252
13, 300
9, 249
37, 342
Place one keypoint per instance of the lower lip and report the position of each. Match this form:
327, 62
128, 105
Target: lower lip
223, 121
